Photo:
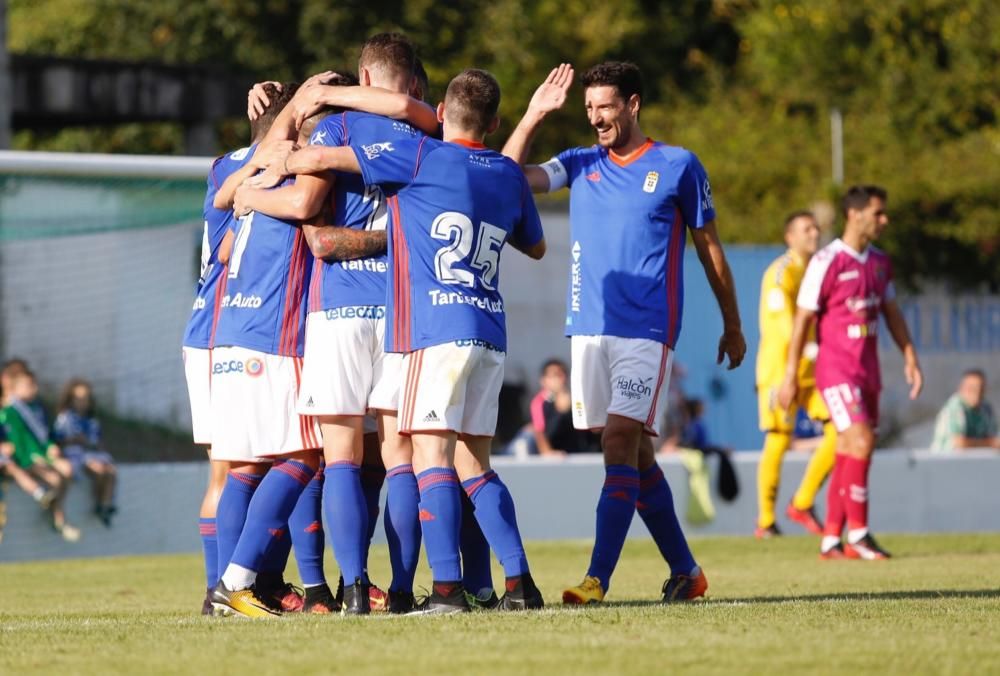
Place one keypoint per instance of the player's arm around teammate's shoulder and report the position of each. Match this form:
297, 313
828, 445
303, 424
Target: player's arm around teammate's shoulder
550, 96
375, 100
331, 242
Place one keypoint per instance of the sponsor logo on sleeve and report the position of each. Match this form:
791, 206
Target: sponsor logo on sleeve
706, 196
318, 138
373, 150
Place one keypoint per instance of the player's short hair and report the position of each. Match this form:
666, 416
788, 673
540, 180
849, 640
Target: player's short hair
423, 81
622, 75
472, 100
795, 215
393, 53
279, 99
553, 362
858, 197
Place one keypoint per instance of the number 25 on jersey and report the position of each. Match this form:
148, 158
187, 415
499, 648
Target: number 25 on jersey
457, 229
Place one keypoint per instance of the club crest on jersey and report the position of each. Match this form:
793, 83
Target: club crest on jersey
652, 178
373, 150
254, 367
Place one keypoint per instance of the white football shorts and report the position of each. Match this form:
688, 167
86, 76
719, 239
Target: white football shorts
253, 406
454, 386
346, 370
198, 373
628, 377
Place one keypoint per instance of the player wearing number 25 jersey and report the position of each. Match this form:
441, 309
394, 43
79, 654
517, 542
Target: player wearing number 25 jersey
462, 203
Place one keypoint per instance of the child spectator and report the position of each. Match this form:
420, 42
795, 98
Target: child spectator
24, 423
78, 432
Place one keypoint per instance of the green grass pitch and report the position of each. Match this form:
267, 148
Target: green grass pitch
772, 608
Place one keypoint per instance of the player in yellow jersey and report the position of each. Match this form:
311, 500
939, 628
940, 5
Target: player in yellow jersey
778, 292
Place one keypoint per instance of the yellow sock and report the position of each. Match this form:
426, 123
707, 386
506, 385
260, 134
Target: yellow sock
819, 467
769, 474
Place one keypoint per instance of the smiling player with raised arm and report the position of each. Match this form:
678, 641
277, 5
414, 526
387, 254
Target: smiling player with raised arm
847, 285
461, 205
632, 202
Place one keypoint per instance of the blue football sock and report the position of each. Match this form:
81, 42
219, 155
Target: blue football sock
476, 573
275, 558
656, 507
267, 516
402, 526
306, 528
346, 518
496, 517
441, 521
231, 513
615, 510
372, 478
210, 545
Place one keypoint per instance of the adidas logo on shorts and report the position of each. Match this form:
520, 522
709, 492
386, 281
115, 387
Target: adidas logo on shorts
432, 417
309, 402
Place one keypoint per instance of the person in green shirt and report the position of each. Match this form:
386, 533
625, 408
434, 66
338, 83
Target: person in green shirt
27, 432
967, 419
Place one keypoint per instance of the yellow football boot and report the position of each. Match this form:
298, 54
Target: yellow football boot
587, 592
245, 602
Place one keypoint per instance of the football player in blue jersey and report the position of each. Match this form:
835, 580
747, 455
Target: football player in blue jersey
460, 205
217, 239
346, 371
633, 201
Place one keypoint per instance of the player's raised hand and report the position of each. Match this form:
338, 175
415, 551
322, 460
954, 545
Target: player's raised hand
551, 94
733, 345
787, 392
914, 378
258, 100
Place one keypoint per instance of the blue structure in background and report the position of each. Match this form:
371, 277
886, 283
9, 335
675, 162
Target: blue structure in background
729, 396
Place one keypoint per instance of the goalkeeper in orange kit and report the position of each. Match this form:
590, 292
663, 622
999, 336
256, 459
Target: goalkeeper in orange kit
778, 292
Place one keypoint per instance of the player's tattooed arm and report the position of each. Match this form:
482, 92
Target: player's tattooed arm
337, 243
800, 330
550, 96
901, 335
720, 278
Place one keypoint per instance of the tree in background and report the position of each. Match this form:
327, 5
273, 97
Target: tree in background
747, 84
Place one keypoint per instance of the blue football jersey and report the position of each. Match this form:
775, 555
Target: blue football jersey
627, 226
264, 304
355, 205
217, 221
447, 227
